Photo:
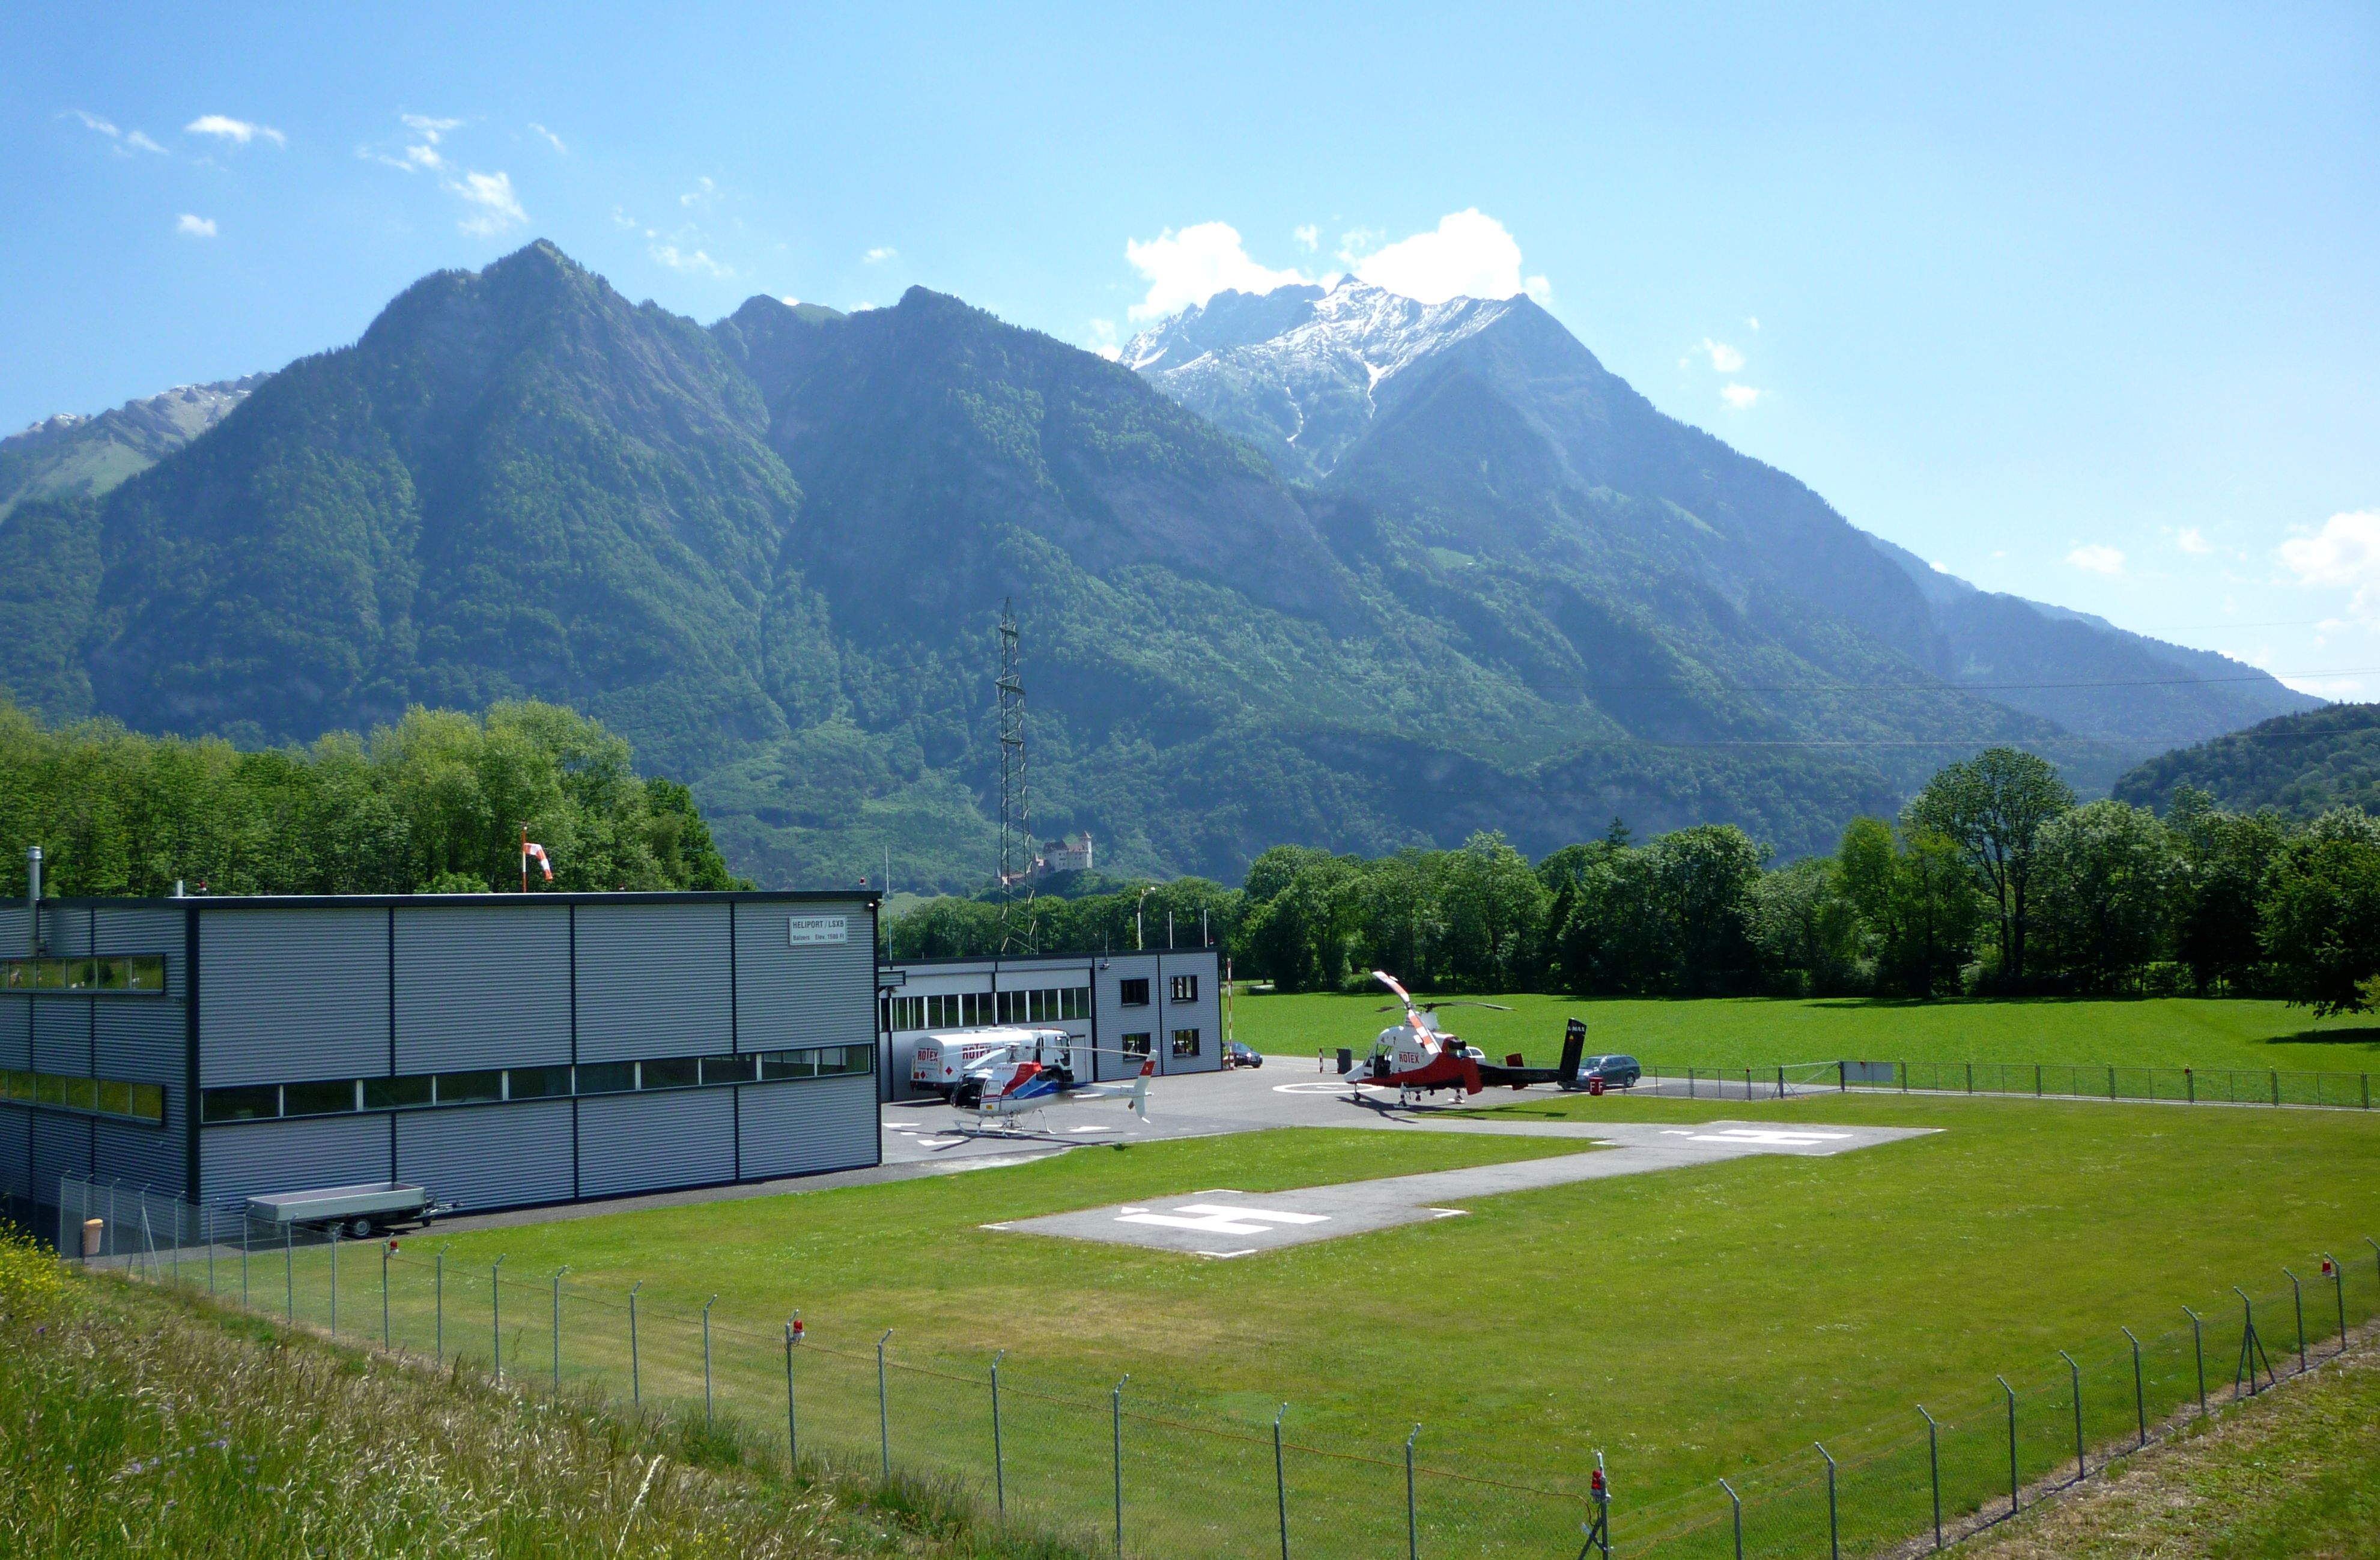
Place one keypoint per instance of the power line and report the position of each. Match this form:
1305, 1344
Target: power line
1937, 687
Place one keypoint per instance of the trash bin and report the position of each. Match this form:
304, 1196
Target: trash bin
93, 1233
1346, 1058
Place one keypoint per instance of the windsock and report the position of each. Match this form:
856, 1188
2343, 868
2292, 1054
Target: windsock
545, 862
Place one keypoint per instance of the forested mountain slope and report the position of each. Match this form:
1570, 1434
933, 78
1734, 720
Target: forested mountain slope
771, 554
1491, 432
2302, 765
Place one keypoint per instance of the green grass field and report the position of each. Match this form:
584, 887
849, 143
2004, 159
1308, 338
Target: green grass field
1691, 1324
1749, 1032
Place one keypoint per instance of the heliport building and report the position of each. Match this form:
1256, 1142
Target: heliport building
502, 1050
1160, 1004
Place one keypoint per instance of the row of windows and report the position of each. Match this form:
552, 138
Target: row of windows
264, 1102
99, 1096
973, 1010
1186, 1044
140, 973
1134, 993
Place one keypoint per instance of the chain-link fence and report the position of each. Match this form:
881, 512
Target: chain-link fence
1144, 1469
2183, 1085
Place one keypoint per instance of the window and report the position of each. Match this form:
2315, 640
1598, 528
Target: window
394, 1093
1135, 1044
727, 1070
606, 1077
317, 1099
536, 1082
257, 1102
135, 974
469, 1088
1185, 1042
905, 1012
975, 1009
16, 1085
1132, 993
677, 1073
1073, 1002
1183, 988
788, 1064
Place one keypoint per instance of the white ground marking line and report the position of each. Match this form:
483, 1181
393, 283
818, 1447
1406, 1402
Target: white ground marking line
1244, 1252
1791, 1138
1218, 1220
1446, 1213
938, 1142
1090, 1129
1309, 1088
897, 1126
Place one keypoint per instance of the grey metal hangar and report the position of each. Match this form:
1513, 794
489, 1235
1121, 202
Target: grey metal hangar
500, 1050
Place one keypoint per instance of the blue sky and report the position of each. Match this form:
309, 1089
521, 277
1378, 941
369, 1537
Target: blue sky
2078, 302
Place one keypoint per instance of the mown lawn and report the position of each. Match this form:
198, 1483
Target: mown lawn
1690, 1324
1753, 1031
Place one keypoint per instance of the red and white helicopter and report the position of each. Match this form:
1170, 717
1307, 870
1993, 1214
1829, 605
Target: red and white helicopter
1417, 1057
1007, 1089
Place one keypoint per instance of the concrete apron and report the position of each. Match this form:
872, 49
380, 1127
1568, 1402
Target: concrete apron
1224, 1223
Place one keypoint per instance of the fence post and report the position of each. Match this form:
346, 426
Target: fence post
1834, 1526
1904, 1078
1116, 1409
2077, 1371
1738, 1500
385, 1246
2376, 1250
2111, 1083
289, 1272
247, 1236
211, 1251
1780, 1082
1280, 1481
1843, 1077
883, 1414
496, 1311
2338, 1283
2198, 1347
2011, 1408
557, 1324
2140, 1391
442, 1302
999, 1455
2277, 1088
1413, 1526
2297, 1293
2367, 1090
1971, 1078
2251, 1348
793, 1432
636, 1372
2190, 1084
335, 1281
706, 1359
1934, 1469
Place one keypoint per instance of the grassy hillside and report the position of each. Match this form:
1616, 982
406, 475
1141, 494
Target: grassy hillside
134, 1423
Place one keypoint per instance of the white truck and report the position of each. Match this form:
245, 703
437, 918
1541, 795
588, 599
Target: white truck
945, 1061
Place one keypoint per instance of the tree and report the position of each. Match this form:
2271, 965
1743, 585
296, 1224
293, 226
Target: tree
1806, 928
1992, 807
2322, 915
2105, 878
2226, 858
1493, 908
1704, 878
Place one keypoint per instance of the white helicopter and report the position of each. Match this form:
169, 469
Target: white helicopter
1005, 1091
1417, 1057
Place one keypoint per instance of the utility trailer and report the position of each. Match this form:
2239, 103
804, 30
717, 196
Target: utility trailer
357, 1211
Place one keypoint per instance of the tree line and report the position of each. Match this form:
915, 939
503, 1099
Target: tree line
432, 804
1993, 880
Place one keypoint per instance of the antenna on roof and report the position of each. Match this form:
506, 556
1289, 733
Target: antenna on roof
1016, 844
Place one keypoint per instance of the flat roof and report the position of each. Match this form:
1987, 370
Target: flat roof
869, 896
1063, 958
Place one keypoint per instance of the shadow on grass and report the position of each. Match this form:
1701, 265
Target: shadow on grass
2366, 1035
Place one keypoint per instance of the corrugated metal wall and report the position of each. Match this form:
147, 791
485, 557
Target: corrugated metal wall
12, 931
17, 1155
254, 1159
61, 1147
822, 1124
482, 986
652, 981
15, 1031
143, 1156
62, 1035
818, 994
640, 1142
287, 994
489, 1156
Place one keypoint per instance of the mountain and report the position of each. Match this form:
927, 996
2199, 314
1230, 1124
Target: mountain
1487, 427
772, 552
2303, 765
70, 455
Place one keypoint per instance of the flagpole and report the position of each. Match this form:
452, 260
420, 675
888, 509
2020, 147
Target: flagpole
523, 853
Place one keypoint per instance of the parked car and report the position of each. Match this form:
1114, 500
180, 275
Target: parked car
1238, 1055
1617, 1073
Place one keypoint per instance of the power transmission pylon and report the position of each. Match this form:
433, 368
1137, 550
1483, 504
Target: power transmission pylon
1017, 841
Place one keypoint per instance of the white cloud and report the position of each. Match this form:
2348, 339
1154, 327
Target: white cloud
93, 121
2344, 553
702, 194
196, 227
1308, 237
2192, 540
692, 260
790, 301
620, 218
1753, 321
429, 130
132, 139
136, 138
879, 254
1740, 396
238, 132
2097, 557
1937, 568
1355, 241
495, 207
1467, 255
1103, 340
1723, 358
422, 157
552, 139
1193, 265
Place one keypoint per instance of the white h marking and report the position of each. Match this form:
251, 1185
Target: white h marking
1213, 1219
